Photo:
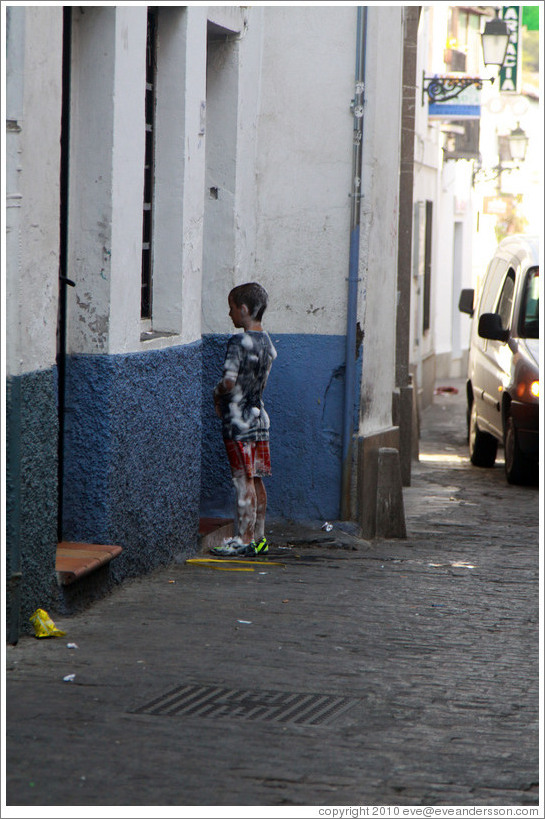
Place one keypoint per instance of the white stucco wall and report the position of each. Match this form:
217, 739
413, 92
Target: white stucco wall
225, 89
230, 206
380, 211
193, 191
304, 166
107, 172
179, 174
33, 112
427, 176
127, 155
448, 186
450, 327
91, 177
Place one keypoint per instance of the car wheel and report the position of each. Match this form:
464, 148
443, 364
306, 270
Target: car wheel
482, 445
518, 469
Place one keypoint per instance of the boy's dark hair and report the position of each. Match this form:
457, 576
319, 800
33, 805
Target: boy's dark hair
253, 295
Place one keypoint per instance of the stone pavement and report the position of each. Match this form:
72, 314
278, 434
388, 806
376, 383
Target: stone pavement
392, 672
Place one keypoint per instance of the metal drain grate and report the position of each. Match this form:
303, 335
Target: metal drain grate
269, 706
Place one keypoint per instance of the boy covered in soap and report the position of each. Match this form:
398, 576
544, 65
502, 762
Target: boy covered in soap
238, 400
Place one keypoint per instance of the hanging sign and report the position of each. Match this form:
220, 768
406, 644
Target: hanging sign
509, 75
463, 103
497, 205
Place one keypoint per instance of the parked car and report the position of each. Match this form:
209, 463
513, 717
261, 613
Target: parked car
503, 366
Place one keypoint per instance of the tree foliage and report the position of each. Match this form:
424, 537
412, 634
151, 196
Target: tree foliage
530, 51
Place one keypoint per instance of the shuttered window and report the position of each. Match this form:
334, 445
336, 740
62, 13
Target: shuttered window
147, 217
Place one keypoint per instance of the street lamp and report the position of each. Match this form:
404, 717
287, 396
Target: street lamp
495, 39
518, 143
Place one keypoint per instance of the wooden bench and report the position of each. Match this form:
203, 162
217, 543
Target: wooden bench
75, 560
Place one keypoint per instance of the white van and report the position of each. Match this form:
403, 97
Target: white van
503, 369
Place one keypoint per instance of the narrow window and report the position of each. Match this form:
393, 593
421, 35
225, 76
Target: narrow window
530, 305
147, 220
427, 268
505, 302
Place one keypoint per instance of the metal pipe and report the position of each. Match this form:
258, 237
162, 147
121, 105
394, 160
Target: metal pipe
64, 281
13, 527
353, 269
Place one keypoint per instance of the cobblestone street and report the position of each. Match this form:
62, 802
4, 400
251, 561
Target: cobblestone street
392, 672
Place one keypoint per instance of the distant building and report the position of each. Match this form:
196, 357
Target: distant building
464, 177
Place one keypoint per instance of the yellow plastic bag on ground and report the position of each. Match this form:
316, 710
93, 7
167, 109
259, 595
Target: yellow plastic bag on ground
44, 625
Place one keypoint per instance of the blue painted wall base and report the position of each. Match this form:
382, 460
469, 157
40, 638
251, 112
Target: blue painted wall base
31, 496
144, 457
132, 454
304, 398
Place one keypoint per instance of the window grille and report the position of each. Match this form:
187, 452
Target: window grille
147, 216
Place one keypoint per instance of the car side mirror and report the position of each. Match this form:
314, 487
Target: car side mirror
465, 303
490, 327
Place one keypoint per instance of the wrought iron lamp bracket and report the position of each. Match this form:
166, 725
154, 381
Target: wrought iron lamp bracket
441, 89
489, 174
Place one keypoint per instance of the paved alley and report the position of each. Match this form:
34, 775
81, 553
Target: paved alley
338, 672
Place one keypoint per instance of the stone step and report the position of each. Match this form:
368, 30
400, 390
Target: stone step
212, 531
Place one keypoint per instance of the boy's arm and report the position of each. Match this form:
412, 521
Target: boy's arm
229, 379
226, 385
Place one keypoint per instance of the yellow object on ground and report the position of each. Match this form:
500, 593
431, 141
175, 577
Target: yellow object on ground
212, 563
44, 625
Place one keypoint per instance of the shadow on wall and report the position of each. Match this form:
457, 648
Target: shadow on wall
304, 399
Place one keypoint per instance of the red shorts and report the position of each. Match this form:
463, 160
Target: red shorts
251, 457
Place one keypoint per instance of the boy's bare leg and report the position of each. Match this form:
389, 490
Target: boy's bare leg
245, 506
261, 509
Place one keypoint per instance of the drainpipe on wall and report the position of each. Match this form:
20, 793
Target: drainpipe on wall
352, 308
13, 525
64, 281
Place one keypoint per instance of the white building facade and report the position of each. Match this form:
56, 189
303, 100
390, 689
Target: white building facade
443, 213
457, 185
184, 150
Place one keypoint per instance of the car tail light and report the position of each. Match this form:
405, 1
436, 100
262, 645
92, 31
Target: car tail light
527, 389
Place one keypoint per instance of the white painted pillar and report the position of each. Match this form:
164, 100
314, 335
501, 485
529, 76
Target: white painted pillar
33, 114
380, 213
91, 182
128, 151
